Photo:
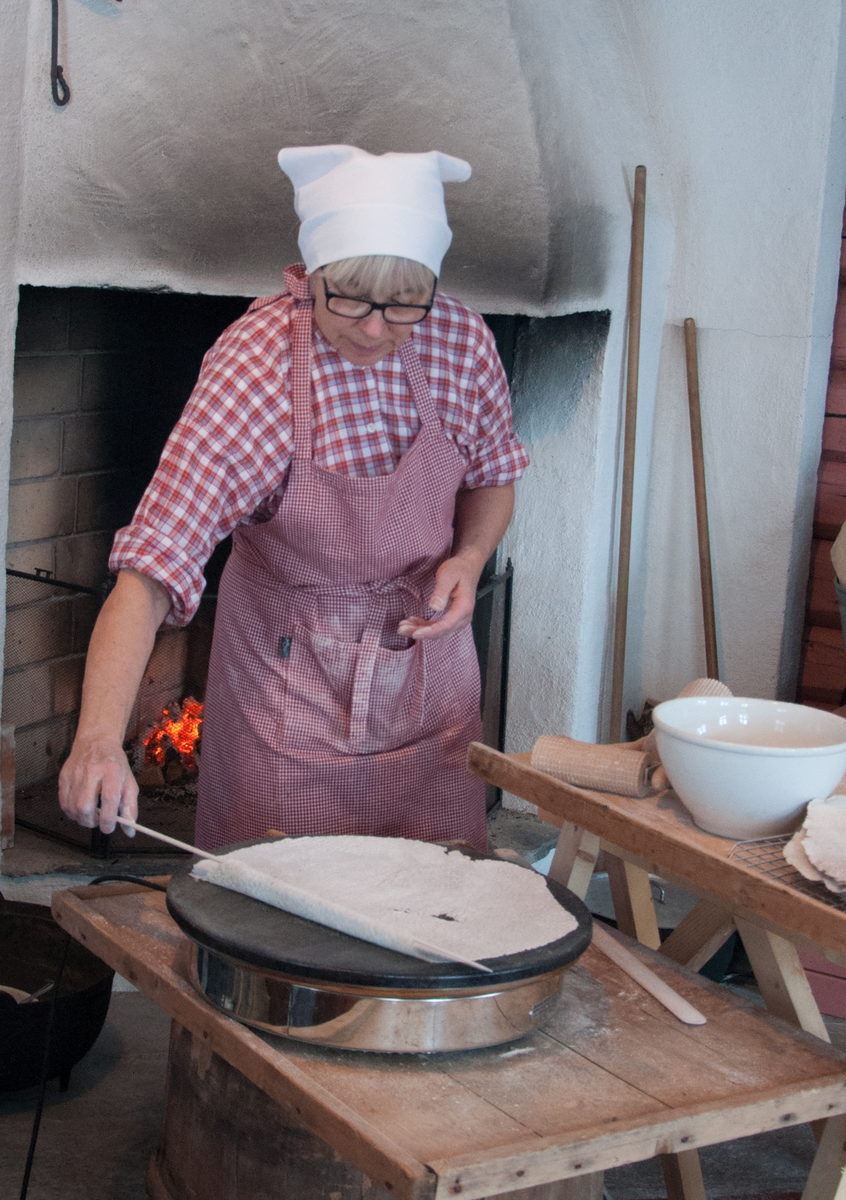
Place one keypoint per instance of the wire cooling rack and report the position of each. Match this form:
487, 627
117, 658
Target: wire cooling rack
765, 856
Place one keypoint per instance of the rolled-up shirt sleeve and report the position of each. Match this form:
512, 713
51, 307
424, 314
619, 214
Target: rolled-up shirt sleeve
494, 454
230, 448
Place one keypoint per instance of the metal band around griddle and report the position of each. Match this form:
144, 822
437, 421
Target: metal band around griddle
369, 1019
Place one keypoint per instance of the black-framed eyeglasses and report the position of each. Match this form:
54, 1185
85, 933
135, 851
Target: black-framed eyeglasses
395, 314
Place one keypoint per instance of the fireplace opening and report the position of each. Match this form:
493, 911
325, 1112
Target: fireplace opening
101, 376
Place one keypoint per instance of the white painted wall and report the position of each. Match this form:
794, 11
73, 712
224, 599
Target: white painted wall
759, 202
741, 127
161, 172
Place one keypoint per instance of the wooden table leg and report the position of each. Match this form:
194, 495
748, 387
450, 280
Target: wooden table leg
634, 908
699, 936
781, 979
827, 1180
787, 994
574, 859
683, 1176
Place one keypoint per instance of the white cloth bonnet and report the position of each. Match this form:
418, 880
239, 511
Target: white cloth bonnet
353, 203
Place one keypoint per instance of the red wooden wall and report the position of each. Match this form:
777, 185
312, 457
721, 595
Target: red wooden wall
823, 676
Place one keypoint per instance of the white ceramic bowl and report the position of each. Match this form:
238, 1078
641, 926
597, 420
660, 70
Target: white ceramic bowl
747, 768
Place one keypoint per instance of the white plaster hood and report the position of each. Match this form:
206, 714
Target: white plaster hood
162, 169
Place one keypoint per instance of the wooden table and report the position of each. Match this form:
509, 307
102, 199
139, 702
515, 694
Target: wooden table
611, 1079
657, 834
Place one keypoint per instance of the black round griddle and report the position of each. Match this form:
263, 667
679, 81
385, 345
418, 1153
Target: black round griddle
262, 936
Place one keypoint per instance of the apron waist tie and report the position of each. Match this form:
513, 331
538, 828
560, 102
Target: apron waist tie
416, 587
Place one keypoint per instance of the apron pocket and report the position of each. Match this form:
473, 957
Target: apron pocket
396, 701
351, 697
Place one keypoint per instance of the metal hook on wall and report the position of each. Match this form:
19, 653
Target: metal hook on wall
58, 83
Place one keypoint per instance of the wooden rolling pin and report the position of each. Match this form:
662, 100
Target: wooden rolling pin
622, 769
699, 687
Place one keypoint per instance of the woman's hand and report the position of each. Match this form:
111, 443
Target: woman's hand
454, 594
98, 773
481, 518
97, 769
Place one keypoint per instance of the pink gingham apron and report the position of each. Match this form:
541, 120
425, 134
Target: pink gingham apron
319, 717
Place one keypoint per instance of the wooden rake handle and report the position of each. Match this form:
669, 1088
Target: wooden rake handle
705, 573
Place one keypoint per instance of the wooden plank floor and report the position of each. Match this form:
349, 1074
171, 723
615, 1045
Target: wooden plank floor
612, 1078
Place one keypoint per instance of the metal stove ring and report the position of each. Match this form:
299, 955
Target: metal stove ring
376, 1020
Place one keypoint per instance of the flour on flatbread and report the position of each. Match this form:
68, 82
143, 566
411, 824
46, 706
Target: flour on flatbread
474, 908
824, 841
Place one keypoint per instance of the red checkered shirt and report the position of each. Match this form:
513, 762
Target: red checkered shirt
226, 460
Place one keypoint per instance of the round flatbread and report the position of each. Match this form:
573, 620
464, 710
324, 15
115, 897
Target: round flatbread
474, 908
795, 854
823, 842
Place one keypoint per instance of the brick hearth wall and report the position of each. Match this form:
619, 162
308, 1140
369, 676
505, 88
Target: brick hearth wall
101, 376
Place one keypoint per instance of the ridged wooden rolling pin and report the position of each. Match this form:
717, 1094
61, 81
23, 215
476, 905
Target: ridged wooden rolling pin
621, 769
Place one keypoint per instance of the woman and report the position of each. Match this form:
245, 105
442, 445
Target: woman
354, 434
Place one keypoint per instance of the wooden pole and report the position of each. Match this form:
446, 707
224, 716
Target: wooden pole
632, 367
705, 575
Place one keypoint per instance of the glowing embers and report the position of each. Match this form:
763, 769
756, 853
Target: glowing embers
168, 751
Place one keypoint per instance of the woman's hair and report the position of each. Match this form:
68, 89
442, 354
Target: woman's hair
380, 274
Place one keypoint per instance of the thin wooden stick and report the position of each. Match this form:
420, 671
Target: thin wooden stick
417, 947
624, 959
632, 367
163, 837
429, 952
705, 575
648, 980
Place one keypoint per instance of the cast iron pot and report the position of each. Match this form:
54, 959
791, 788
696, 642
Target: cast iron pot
31, 945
